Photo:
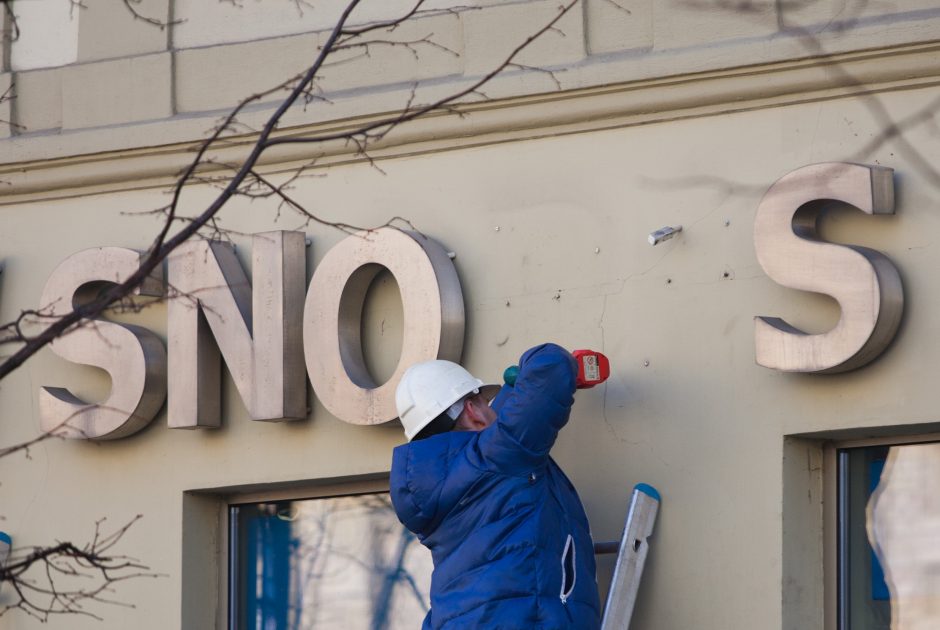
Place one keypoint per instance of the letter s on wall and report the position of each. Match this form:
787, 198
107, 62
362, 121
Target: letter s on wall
863, 281
133, 357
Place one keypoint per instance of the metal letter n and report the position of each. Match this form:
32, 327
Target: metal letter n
257, 328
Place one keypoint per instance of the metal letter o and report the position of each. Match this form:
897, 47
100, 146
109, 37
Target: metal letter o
433, 318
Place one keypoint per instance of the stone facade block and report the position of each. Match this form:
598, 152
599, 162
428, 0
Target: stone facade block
681, 23
211, 23
418, 49
119, 91
491, 34
39, 100
109, 29
809, 15
46, 34
6, 112
218, 77
822, 15
4, 40
614, 25
841, 16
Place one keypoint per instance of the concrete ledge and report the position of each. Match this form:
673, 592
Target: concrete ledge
626, 104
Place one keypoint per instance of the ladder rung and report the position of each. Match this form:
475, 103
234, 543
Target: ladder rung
610, 546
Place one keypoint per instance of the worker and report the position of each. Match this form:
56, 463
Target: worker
507, 532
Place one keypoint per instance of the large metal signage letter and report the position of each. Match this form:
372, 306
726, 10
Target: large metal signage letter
132, 356
257, 328
863, 281
433, 316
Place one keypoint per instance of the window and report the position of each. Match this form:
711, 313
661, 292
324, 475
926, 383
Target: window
339, 562
889, 537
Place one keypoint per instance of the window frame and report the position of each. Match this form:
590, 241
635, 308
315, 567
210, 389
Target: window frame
206, 536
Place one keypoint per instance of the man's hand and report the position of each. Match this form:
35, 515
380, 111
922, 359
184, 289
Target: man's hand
593, 369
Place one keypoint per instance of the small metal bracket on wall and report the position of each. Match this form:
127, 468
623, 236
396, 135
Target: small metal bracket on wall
663, 234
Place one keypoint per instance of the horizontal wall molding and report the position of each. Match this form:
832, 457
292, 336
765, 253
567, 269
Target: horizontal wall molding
853, 74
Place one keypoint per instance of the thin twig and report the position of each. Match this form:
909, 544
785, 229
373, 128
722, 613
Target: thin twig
56, 592
132, 5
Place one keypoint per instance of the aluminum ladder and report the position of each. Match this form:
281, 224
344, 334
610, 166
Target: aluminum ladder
631, 556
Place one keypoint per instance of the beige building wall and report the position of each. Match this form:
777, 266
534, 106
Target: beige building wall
668, 114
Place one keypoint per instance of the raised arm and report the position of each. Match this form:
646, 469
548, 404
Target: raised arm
538, 406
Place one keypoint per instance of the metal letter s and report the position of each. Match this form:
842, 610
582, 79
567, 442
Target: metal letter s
863, 281
132, 356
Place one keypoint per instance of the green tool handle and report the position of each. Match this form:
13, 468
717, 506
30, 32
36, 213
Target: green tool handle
510, 375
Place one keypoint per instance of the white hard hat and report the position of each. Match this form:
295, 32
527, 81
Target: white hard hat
428, 389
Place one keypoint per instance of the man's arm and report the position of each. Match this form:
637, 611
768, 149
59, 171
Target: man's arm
538, 407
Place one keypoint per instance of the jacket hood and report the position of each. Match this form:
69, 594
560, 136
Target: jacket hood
424, 493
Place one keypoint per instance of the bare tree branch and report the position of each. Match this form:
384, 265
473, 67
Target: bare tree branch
412, 46
64, 578
27, 444
388, 25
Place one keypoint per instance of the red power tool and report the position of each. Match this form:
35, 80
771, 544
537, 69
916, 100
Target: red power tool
593, 369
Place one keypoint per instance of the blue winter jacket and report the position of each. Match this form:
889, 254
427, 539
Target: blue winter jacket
506, 529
